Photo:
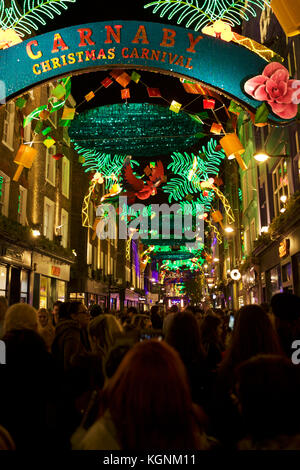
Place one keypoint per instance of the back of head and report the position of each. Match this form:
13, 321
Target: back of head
149, 399
64, 310
24, 347
208, 329
268, 390
103, 331
286, 309
3, 307
132, 311
286, 306
95, 311
253, 334
183, 334
19, 317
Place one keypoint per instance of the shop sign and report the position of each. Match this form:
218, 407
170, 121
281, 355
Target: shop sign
55, 271
284, 248
130, 44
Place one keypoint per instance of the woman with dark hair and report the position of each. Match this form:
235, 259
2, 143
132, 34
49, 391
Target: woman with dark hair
30, 392
147, 404
183, 335
253, 334
268, 390
71, 338
211, 338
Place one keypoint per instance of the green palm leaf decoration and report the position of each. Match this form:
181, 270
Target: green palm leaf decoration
199, 13
103, 163
34, 12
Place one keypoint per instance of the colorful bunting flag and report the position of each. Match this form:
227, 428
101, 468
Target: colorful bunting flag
106, 82
116, 73
90, 96
49, 142
154, 92
59, 92
175, 106
123, 79
125, 93
194, 88
209, 104
47, 130
135, 77
216, 128
20, 103
38, 128
69, 113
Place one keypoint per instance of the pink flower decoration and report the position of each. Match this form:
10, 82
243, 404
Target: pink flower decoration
275, 87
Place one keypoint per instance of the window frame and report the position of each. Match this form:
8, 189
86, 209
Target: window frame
278, 187
9, 142
50, 203
53, 162
65, 161
6, 193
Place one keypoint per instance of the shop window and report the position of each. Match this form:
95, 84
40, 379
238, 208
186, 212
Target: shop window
24, 286
3, 281
8, 127
22, 205
44, 291
50, 165
287, 272
61, 290
280, 186
64, 227
65, 177
49, 207
4, 194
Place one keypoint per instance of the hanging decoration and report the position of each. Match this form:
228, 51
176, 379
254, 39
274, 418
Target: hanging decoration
24, 159
109, 166
276, 88
199, 13
135, 187
288, 15
8, 37
138, 129
34, 13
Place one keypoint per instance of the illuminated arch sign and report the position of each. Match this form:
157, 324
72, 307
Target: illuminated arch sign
221, 65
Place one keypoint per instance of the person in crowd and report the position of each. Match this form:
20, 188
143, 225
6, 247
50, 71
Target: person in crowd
140, 322
55, 312
183, 335
45, 328
71, 339
30, 385
211, 339
3, 309
170, 314
95, 310
286, 310
156, 319
146, 404
268, 390
103, 332
253, 334
20, 317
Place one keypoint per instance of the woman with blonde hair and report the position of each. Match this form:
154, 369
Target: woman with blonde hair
45, 328
20, 317
103, 332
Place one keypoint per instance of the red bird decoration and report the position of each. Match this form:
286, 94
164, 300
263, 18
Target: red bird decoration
136, 187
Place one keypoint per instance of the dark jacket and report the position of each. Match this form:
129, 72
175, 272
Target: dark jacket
70, 342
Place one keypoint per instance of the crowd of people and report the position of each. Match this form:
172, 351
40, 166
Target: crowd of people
83, 379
